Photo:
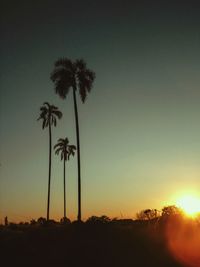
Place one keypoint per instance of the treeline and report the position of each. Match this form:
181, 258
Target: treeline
147, 215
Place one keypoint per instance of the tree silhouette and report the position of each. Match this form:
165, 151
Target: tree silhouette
147, 214
73, 75
49, 114
66, 151
171, 211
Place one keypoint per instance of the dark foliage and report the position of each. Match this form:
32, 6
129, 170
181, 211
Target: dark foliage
64, 148
98, 244
75, 75
96, 219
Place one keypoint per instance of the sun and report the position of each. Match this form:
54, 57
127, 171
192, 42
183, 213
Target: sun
190, 204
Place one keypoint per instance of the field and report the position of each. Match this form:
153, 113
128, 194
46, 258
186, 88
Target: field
119, 243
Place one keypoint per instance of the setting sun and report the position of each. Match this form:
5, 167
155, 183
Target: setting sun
189, 204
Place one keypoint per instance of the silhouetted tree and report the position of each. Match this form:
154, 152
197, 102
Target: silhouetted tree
6, 221
73, 75
41, 221
66, 151
33, 222
171, 211
65, 220
49, 114
147, 214
96, 219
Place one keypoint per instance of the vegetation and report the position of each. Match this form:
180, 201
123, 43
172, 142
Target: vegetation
147, 214
76, 76
49, 115
66, 150
102, 241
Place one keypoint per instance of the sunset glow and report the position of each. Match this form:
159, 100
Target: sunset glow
183, 237
190, 204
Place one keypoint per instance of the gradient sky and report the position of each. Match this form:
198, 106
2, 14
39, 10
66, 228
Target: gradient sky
140, 126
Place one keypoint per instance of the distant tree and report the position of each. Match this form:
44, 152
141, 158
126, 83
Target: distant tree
100, 219
66, 150
33, 222
49, 114
76, 76
6, 221
65, 220
41, 221
169, 211
147, 214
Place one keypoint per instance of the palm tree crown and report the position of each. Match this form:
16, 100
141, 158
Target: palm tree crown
68, 74
49, 113
64, 149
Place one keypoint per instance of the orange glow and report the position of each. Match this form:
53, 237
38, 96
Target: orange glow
183, 238
190, 204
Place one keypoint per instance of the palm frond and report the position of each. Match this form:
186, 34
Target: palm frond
58, 114
54, 107
85, 81
47, 122
66, 140
58, 150
44, 123
58, 72
71, 151
64, 62
62, 88
61, 140
47, 104
58, 145
80, 64
72, 147
44, 109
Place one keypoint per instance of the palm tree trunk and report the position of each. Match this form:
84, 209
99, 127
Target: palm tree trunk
78, 155
49, 181
64, 193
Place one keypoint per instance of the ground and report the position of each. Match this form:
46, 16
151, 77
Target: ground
91, 244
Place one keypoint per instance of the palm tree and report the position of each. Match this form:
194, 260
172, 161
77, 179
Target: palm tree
49, 114
66, 151
73, 75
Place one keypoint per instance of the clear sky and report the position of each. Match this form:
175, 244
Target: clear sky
140, 126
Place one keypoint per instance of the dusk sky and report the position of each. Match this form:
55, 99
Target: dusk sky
140, 125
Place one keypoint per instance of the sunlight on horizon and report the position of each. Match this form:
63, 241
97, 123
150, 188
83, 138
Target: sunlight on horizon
188, 201
190, 204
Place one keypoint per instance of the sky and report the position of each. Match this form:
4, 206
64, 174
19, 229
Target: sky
140, 125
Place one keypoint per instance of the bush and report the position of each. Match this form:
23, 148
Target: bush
96, 219
65, 220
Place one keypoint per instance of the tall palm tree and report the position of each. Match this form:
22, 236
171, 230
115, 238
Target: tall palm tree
49, 114
73, 75
66, 151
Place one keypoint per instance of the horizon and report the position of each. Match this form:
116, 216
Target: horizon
139, 126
